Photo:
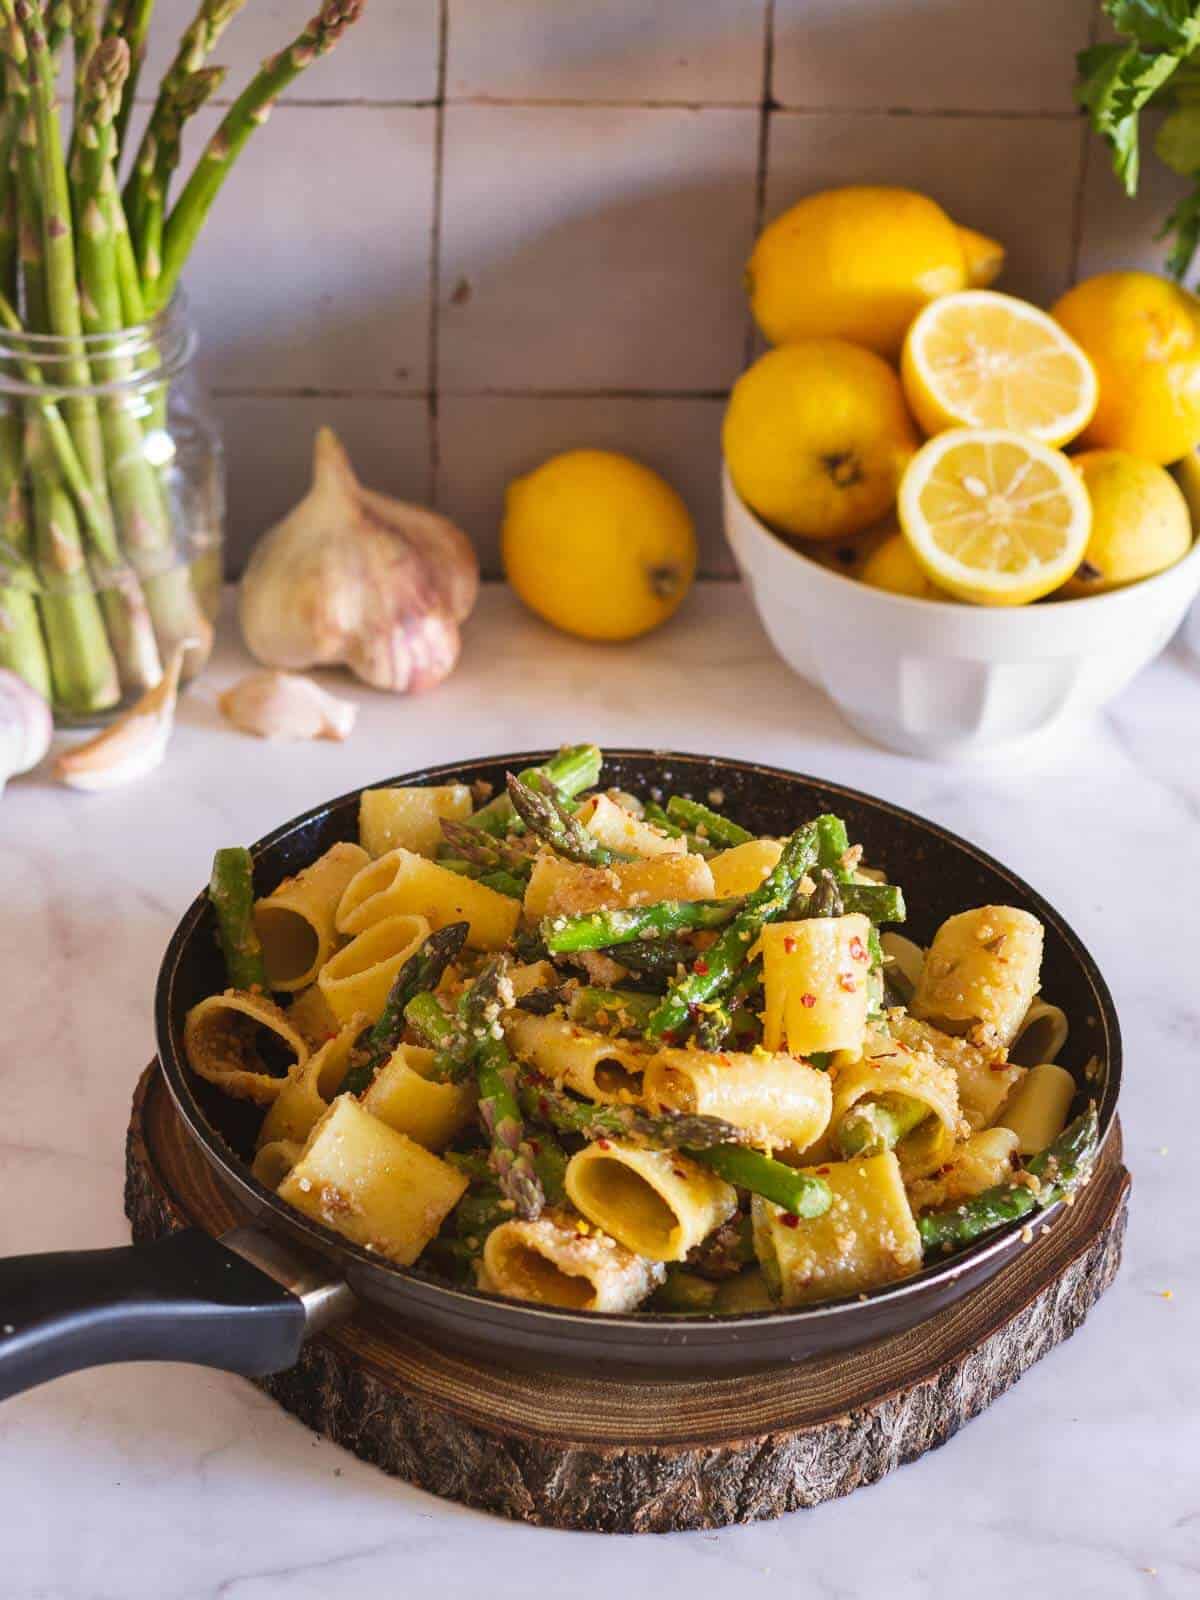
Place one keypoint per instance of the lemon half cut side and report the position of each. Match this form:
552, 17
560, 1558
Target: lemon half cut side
985, 360
994, 517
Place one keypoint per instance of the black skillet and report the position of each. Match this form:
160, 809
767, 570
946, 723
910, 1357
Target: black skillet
247, 1302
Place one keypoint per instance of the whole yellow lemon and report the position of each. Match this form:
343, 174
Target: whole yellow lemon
1140, 521
597, 544
817, 437
1143, 336
859, 263
894, 567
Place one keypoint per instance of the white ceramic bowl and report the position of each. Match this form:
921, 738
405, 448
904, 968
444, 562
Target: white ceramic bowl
932, 678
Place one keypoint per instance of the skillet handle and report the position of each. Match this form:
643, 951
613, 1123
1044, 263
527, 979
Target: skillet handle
244, 1303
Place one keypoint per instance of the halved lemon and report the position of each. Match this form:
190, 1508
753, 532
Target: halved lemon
994, 517
979, 359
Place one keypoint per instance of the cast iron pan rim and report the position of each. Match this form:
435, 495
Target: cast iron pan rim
331, 1244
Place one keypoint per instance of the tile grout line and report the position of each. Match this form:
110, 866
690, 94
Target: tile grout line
1085, 157
316, 392
433, 351
834, 109
763, 153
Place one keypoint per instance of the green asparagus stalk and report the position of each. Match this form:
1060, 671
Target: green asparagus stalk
602, 1008
574, 769
698, 844
135, 25
544, 1102
504, 882
485, 850
603, 930
512, 1158
420, 974
832, 844
655, 960
544, 814
231, 895
684, 1292
248, 112
879, 1124
797, 1192
86, 25
706, 823
1056, 1173
712, 976
193, 93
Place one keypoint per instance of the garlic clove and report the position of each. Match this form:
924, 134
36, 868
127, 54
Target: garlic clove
131, 746
26, 726
357, 578
280, 705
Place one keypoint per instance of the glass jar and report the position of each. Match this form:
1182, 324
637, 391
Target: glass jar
111, 513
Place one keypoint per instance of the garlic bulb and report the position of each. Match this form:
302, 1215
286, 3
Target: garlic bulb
280, 705
26, 726
356, 578
132, 745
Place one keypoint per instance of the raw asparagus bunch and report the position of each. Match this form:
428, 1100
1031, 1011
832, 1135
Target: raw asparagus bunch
93, 597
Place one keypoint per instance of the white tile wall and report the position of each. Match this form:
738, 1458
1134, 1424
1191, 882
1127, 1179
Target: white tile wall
484, 230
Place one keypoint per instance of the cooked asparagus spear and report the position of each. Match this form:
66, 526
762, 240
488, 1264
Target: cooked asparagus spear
1056, 1172
512, 1158
574, 769
706, 823
504, 882
231, 893
684, 1292
544, 814
484, 850
602, 1008
721, 962
601, 930
544, 1102
420, 974
797, 1192
879, 1124
655, 960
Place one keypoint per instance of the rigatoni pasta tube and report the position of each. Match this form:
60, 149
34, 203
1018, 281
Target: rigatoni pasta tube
624, 833
275, 1160
815, 976
866, 1239
887, 1075
982, 969
656, 1203
985, 1079
552, 1262
980, 1162
565, 888
1040, 1104
224, 1038
310, 1087
359, 976
594, 1065
311, 1017
404, 1096
778, 1100
373, 1185
903, 962
295, 922
1043, 1032
741, 869
410, 818
402, 883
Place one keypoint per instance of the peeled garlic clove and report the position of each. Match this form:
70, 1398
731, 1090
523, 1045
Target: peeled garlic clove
280, 705
26, 726
132, 745
356, 578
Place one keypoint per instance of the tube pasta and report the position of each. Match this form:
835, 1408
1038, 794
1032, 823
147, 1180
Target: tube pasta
311, 1017
624, 832
410, 818
295, 922
1037, 1112
551, 1261
564, 888
742, 868
310, 1087
1041, 1035
985, 1079
656, 1203
404, 1096
358, 977
224, 1038
373, 1185
402, 883
866, 1239
887, 1068
902, 963
606, 1070
275, 1160
780, 1101
815, 976
982, 970
983, 1161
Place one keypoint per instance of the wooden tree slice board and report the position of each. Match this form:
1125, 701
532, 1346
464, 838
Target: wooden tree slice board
626, 1456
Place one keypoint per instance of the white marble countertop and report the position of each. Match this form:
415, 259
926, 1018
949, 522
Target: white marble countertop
173, 1483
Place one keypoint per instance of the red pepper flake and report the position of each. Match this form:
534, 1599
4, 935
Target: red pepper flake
857, 949
789, 944
846, 982
604, 1144
536, 1146
679, 1173
671, 1036
790, 1219
544, 1106
700, 965
723, 1059
822, 1172
808, 1000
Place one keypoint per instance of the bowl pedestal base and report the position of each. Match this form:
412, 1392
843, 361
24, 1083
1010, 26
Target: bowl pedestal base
630, 1456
